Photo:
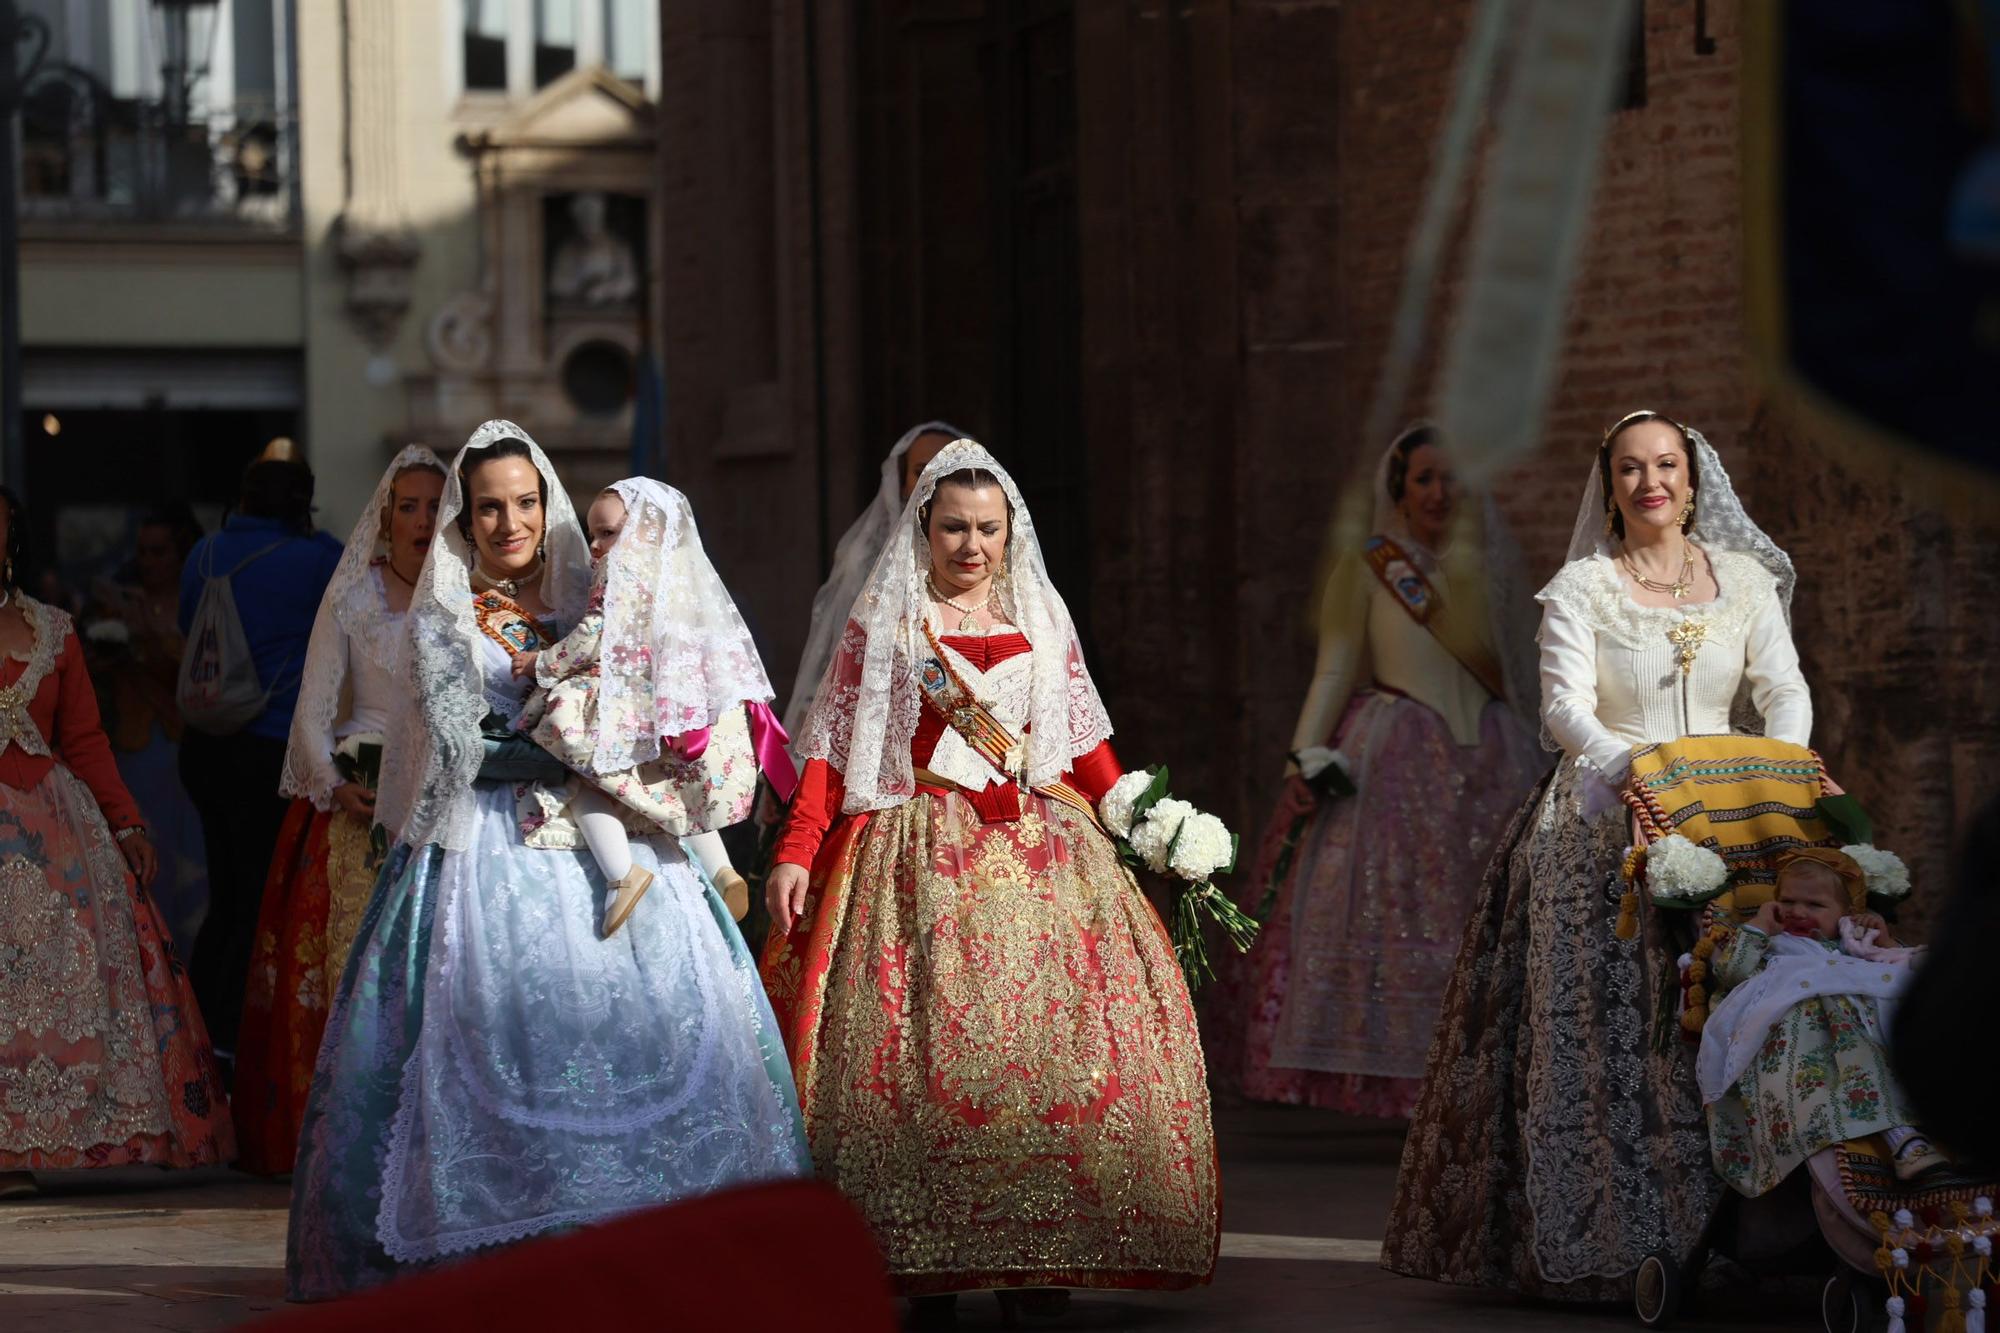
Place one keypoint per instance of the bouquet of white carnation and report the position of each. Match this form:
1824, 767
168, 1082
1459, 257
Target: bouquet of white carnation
1170, 837
1883, 872
1680, 873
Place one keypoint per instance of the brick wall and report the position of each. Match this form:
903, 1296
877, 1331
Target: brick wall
1250, 173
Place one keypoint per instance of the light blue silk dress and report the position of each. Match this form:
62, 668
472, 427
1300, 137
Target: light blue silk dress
493, 1069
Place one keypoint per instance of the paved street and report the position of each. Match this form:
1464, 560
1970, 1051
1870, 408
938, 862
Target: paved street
1304, 1198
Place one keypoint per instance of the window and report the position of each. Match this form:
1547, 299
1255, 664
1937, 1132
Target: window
628, 37
486, 45
555, 40
519, 46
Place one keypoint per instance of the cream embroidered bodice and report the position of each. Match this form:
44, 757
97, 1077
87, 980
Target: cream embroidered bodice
1612, 674
1408, 658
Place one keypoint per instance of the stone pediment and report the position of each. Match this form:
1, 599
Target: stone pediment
585, 108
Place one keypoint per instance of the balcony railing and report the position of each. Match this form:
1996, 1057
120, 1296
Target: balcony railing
88, 156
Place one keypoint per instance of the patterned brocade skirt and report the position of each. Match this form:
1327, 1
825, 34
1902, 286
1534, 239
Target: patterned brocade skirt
1335, 1004
322, 872
1559, 1139
996, 1055
104, 1060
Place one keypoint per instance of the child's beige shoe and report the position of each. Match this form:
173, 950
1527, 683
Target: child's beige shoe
625, 895
735, 892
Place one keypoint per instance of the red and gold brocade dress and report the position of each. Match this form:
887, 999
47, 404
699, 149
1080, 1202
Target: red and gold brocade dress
992, 1039
104, 1060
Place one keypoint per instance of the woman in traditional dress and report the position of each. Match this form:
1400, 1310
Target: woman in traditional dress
492, 1069
103, 1057
1336, 1004
326, 860
133, 640
854, 558
992, 1038
1559, 1139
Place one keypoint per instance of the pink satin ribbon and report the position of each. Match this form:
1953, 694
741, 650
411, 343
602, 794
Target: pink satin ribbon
767, 740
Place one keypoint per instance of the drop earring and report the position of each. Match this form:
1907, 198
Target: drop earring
1687, 513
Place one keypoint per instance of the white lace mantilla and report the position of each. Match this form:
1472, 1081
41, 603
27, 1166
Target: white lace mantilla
865, 714
358, 653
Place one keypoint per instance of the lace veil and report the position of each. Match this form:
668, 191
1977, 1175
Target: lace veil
853, 560
426, 794
1720, 522
355, 610
675, 654
865, 713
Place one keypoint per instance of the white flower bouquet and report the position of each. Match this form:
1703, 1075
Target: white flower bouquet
1680, 873
1170, 837
1882, 871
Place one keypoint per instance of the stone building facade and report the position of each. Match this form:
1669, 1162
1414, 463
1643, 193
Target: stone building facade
1150, 251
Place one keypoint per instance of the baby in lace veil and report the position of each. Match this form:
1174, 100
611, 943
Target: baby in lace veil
657, 699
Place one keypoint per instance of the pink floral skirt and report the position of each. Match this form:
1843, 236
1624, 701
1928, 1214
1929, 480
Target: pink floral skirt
1335, 1004
104, 1060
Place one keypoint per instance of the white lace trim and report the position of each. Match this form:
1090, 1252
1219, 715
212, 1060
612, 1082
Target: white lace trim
1006, 690
426, 795
1592, 590
354, 617
51, 628
675, 654
865, 714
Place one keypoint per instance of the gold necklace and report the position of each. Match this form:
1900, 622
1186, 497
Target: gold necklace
1680, 587
969, 622
506, 587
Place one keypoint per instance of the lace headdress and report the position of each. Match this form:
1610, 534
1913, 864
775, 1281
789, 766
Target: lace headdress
426, 794
354, 617
675, 653
1720, 522
865, 714
853, 560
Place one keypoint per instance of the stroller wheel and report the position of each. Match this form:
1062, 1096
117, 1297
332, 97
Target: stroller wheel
1656, 1289
1847, 1304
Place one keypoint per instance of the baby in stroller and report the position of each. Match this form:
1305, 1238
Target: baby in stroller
1794, 1057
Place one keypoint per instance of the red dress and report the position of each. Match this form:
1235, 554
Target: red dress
103, 1057
992, 1039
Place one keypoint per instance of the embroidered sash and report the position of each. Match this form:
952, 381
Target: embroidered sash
1405, 582
504, 622
945, 692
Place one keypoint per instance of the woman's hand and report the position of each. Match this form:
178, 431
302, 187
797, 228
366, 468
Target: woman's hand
785, 894
140, 857
524, 664
354, 799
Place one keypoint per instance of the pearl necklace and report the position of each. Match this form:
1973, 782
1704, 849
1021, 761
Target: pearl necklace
968, 622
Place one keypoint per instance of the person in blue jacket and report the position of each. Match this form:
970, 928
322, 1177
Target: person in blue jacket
278, 568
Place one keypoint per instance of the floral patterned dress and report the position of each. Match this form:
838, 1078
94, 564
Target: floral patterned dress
104, 1060
1821, 1077
677, 793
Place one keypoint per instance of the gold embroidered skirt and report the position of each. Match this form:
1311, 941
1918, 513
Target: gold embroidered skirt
996, 1055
